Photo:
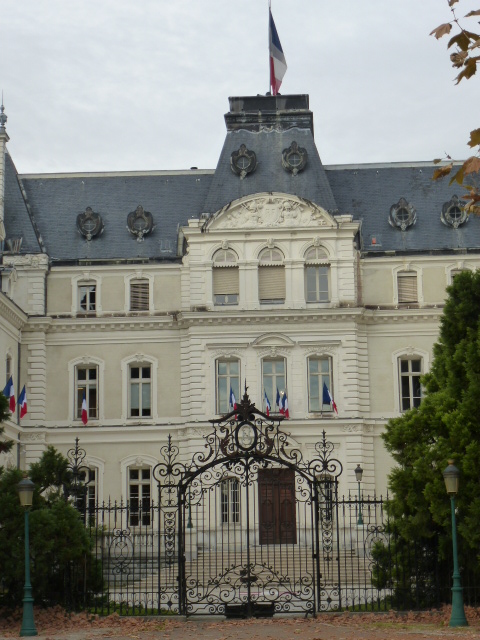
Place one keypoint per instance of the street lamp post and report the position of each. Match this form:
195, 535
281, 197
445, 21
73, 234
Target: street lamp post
25, 493
359, 476
451, 475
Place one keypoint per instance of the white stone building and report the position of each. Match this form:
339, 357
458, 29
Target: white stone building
152, 294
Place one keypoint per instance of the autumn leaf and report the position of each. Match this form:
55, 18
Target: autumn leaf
441, 30
473, 13
471, 165
442, 171
461, 40
468, 71
437, 161
452, 2
458, 177
474, 138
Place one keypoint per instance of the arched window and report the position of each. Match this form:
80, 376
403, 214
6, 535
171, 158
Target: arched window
271, 277
317, 275
225, 278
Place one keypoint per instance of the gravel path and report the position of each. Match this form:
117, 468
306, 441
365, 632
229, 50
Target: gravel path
54, 624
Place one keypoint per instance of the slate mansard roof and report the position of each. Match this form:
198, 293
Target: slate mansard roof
43, 209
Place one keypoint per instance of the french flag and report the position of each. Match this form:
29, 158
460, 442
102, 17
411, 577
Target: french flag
232, 401
328, 399
267, 405
84, 410
22, 402
9, 392
278, 64
284, 406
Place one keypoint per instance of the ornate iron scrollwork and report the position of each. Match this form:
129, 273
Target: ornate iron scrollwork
294, 158
402, 215
90, 224
243, 161
140, 223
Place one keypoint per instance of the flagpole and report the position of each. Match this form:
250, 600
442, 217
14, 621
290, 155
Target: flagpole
268, 46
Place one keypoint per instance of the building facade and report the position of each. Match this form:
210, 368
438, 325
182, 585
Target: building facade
148, 298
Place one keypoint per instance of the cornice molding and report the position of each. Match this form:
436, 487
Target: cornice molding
12, 313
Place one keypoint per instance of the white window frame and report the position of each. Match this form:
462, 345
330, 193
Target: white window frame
227, 360
135, 462
8, 366
272, 264
406, 353
86, 278
317, 263
139, 275
87, 385
404, 269
273, 400
86, 361
231, 299
230, 505
329, 359
139, 360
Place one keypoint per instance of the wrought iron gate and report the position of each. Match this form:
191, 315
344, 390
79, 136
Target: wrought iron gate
250, 520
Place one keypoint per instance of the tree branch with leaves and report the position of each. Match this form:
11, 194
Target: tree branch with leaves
465, 58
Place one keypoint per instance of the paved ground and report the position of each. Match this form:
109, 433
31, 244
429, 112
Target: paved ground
54, 625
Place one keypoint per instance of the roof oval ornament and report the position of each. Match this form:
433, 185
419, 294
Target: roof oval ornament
243, 161
294, 159
90, 224
453, 213
140, 223
402, 215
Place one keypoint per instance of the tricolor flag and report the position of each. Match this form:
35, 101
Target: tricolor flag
232, 402
267, 405
284, 405
22, 402
278, 64
327, 398
278, 399
9, 392
84, 410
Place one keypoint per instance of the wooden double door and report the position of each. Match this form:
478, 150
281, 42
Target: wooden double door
276, 501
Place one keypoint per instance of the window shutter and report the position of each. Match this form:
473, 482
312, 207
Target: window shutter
271, 283
139, 295
407, 287
225, 281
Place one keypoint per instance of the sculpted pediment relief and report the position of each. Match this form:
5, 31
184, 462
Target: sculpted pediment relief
269, 210
273, 340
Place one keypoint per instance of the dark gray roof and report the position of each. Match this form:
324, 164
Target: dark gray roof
369, 191
18, 223
311, 183
171, 198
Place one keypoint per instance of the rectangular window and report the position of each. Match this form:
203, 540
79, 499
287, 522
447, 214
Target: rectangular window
140, 391
139, 295
230, 501
139, 494
87, 298
407, 286
86, 501
410, 370
319, 373
225, 285
316, 281
274, 379
8, 368
228, 377
271, 284
86, 386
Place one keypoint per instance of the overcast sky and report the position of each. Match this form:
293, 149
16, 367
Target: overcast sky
100, 85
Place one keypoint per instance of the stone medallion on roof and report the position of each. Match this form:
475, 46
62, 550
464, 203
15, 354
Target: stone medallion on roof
453, 213
402, 215
294, 158
270, 210
140, 223
90, 224
243, 161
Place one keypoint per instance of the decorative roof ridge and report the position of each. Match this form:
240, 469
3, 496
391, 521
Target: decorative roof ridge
115, 174
389, 165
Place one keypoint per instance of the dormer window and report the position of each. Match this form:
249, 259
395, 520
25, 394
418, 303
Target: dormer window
453, 213
402, 215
